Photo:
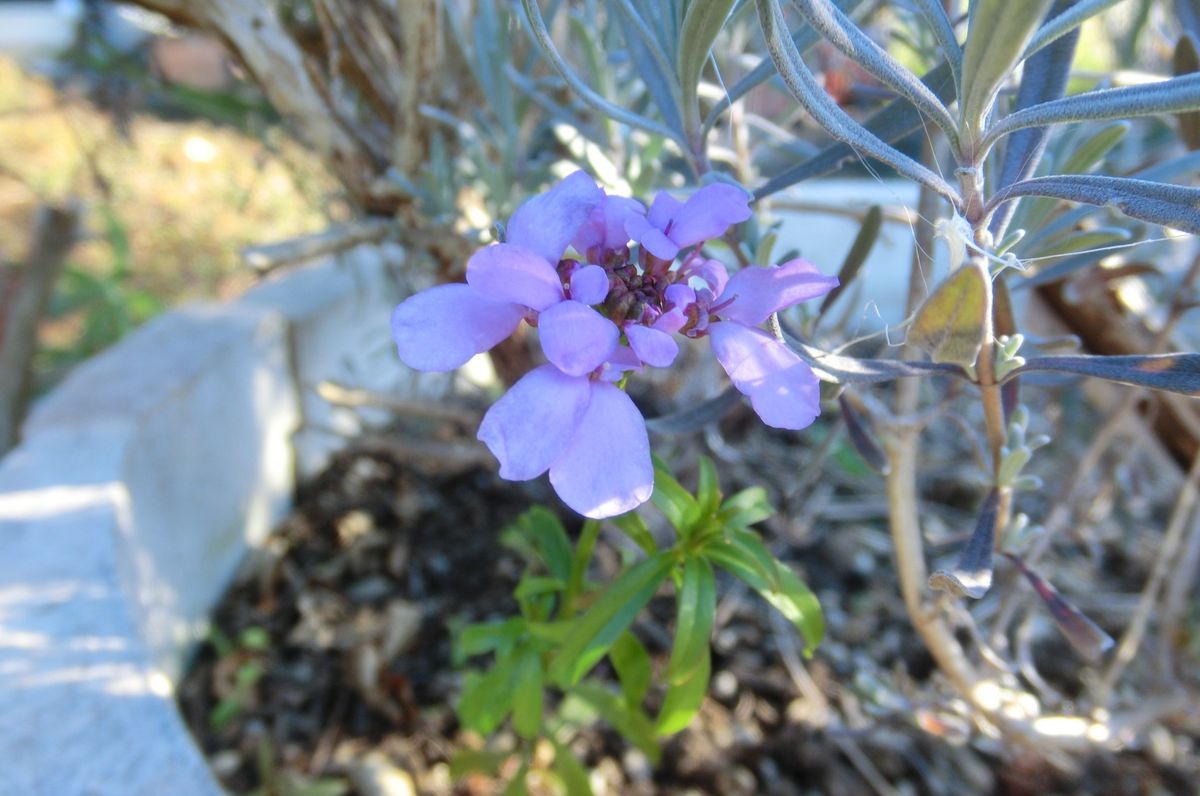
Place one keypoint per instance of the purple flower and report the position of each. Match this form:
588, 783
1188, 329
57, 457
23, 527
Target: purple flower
781, 387
584, 430
672, 225
443, 327
614, 311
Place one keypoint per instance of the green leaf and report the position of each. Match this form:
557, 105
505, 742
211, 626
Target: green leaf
708, 488
675, 502
487, 699
701, 24
746, 558
610, 616
950, 324
744, 563
697, 607
528, 695
747, 507
996, 36
634, 725
799, 606
534, 586
632, 664
573, 775
683, 700
549, 540
477, 639
1090, 151
633, 526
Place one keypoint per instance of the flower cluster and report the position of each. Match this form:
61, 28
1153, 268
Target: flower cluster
603, 311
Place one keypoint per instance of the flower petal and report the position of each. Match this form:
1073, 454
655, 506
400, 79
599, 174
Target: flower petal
589, 284
441, 328
606, 470
532, 424
506, 272
782, 388
605, 227
708, 213
576, 338
663, 209
547, 222
621, 361
651, 237
712, 272
654, 347
757, 292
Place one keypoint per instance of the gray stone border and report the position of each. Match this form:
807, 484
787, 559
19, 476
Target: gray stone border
141, 483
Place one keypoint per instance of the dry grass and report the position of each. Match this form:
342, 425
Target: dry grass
187, 194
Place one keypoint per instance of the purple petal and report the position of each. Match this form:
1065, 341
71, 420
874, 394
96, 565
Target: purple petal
547, 222
757, 292
679, 297
651, 237
708, 213
605, 227
606, 470
781, 387
576, 338
532, 424
654, 347
506, 272
441, 328
620, 361
589, 284
712, 272
663, 209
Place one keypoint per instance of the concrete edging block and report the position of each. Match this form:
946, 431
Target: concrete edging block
141, 483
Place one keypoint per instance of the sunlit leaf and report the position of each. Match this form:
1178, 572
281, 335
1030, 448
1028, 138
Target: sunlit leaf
950, 324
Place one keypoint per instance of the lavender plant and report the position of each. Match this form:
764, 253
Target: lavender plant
611, 285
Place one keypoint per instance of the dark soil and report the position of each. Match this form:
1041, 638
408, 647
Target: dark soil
359, 589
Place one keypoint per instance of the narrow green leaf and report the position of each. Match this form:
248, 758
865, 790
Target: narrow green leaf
551, 539
1092, 149
697, 606
950, 324
535, 586
634, 725
572, 773
701, 23
742, 564
477, 639
746, 508
675, 502
633, 526
746, 558
632, 664
708, 487
608, 618
528, 695
997, 33
487, 699
683, 700
799, 606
